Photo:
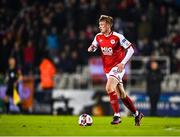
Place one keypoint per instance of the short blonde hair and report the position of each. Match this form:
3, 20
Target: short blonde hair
106, 18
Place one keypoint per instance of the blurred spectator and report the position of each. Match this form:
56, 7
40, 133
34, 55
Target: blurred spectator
59, 20
71, 39
52, 42
47, 73
63, 67
82, 55
160, 23
74, 61
84, 9
5, 50
17, 53
144, 28
153, 87
147, 48
89, 32
29, 56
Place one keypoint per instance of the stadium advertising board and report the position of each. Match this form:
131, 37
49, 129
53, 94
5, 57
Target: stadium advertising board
168, 105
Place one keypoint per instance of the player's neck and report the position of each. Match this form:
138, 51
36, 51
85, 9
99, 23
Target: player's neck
11, 66
108, 33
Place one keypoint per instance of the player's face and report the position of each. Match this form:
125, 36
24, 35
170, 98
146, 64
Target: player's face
104, 27
12, 62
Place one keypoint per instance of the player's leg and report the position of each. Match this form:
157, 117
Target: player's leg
154, 97
19, 103
121, 92
111, 90
9, 94
126, 99
6, 102
129, 104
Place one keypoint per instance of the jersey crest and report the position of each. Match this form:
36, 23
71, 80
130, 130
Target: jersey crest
112, 41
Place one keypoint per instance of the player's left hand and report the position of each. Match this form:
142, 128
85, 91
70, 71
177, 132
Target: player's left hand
120, 67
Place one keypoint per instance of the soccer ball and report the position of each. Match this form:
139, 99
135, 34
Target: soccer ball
85, 120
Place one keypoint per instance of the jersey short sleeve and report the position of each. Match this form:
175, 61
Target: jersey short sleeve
95, 43
123, 41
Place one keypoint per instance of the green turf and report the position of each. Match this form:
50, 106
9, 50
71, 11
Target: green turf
67, 125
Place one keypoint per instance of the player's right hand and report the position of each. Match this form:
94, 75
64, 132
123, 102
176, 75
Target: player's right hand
120, 67
92, 48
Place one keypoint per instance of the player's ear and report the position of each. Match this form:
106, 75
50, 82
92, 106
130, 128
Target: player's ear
109, 25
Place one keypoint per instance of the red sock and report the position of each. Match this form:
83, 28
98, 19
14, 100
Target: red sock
129, 104
114, 102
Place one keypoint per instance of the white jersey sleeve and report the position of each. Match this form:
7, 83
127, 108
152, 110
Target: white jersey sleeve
129, 53
95, 43
123, 41
126, 44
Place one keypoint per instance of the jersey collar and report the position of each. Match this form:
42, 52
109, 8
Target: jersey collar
108, 34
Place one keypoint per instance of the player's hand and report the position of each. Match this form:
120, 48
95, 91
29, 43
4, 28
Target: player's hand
91, 48
120, 67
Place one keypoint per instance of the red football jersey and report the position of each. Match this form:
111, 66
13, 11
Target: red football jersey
112, 48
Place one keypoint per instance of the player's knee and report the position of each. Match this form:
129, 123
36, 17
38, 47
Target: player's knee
122, 94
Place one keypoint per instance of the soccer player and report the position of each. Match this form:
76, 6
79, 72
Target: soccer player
116, 51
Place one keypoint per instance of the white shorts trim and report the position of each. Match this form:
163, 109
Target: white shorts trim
115, 74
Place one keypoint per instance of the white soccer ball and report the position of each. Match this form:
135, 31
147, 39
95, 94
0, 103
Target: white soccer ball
85, 120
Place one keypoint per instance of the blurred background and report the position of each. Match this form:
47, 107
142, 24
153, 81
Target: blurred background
49, 41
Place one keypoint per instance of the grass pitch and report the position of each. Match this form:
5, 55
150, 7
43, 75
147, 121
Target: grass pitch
31, 125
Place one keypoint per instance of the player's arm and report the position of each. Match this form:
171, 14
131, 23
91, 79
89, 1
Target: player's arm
93, 47
6, 78
129, 54
130, 51
20, 75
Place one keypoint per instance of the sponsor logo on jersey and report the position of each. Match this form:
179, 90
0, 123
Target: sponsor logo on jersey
107, 51
112, 41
